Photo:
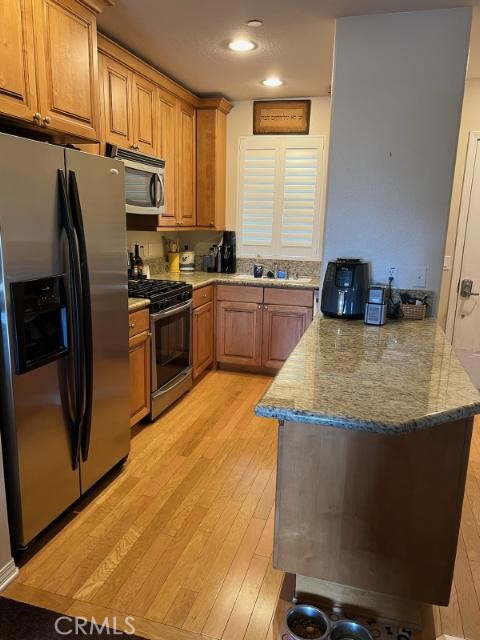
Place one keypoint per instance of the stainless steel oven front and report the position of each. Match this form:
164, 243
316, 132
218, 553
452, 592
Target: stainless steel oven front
171, 331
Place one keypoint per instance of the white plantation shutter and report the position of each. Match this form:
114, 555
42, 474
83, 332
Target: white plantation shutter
280, 195
257, 196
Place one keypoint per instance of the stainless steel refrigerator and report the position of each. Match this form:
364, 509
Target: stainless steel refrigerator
64, 327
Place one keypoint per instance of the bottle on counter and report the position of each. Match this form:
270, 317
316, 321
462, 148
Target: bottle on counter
138, 262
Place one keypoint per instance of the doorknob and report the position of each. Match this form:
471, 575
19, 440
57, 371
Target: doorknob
466, 288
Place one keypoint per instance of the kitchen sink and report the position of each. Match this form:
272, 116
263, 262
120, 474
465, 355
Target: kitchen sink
249, 276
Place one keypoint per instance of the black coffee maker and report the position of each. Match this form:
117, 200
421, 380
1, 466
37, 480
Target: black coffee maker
227, 253
344, 291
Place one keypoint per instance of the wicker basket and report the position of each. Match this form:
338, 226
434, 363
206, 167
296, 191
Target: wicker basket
414, 311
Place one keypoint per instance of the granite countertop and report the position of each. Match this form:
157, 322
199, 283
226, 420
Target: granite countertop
135, 304
393, 379
200, 278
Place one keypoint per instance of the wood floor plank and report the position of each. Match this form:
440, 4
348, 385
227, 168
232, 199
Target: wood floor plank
245, 603
264, 606
225, 601
467, 596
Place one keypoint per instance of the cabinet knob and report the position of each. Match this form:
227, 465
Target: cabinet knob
259, 306
265, 306
131, 325
37, 116
204, 295
211, 223
47, 120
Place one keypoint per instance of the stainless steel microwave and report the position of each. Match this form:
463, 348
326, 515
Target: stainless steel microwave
144, 181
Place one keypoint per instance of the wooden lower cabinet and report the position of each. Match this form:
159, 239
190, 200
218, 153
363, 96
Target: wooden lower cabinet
283, 326
239, 333
140, 372
260, 327
203, 345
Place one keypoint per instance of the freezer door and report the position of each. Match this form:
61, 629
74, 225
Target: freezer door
100, 186
37, 443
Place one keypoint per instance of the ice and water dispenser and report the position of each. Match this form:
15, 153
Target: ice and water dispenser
40, 320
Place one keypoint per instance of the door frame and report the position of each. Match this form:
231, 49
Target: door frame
473, 145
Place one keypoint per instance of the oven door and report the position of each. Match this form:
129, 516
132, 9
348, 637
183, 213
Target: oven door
144, 188
171, 344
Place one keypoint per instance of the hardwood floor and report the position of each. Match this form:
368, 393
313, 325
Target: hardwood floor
182, 539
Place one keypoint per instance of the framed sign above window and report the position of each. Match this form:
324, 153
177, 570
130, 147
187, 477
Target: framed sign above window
281, 117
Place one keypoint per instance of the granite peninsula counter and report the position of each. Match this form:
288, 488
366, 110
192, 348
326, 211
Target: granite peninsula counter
393, 379
358, 511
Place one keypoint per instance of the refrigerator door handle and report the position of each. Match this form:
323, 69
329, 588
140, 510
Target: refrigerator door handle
76, 318
87, 400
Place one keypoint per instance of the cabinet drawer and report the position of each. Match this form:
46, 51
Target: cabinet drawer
138, 321
202, 296
289, 297
233, 293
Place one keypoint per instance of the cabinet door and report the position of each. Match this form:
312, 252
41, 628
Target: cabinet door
283, 326
202, 338
117, 102
186, 165
211, 168
18, 93
144, 115
239, 333
139, 377
66, 45
167, 150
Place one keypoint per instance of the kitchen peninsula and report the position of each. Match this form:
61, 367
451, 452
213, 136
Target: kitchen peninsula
374, 437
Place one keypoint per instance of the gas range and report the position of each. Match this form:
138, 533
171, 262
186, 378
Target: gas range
163, 294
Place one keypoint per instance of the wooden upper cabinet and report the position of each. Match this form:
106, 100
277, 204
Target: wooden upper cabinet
67, 77
17, 62
167, 150
211, 161
186, 190
144, 115
117, 102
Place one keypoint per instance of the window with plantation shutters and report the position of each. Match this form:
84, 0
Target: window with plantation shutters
280, 196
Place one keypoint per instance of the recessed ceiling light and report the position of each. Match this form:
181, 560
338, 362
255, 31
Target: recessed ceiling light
242, 45
254, 23
272, 82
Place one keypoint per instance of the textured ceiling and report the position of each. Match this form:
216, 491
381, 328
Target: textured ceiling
187, 40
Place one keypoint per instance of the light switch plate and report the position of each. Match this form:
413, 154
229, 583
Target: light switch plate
420, 277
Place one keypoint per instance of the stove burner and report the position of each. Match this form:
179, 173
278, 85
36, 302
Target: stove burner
162, 293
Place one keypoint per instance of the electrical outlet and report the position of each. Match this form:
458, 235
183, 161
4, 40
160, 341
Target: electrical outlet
420, 277
392, 272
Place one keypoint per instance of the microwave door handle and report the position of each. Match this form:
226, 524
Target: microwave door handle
153, 197
158, 191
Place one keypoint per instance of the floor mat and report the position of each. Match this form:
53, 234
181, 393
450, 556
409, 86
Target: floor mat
20, 621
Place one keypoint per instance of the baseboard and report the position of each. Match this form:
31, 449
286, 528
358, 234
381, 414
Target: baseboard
8, 573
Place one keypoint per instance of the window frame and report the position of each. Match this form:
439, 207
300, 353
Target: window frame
281, 143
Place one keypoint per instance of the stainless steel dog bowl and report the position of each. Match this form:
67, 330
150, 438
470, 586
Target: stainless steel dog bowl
349, 630
305, 622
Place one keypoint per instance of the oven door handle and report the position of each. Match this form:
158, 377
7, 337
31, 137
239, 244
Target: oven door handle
171, 312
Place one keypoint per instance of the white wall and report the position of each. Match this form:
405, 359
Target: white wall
398, 87
470, 122
240, 123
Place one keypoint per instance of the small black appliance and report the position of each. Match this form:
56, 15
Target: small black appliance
227, 253
345, 288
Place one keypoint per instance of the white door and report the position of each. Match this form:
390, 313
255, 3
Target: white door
465, 300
